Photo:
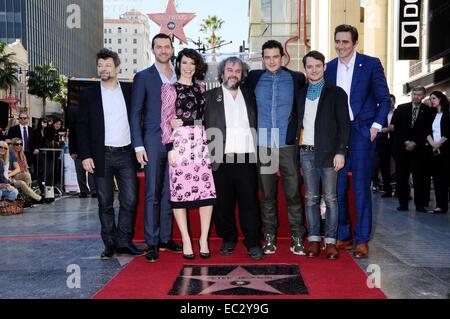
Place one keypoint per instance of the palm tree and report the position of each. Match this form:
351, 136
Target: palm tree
8, 69
44, 82
211, 25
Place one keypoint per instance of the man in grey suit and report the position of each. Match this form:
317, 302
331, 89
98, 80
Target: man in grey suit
150, 152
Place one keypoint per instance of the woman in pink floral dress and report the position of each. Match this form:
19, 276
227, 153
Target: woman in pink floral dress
191, 179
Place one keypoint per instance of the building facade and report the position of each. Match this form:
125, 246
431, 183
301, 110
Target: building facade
129, 36
67, 33
300, 25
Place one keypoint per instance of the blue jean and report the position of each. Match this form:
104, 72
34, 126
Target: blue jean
119, 164
312, 176
9, 195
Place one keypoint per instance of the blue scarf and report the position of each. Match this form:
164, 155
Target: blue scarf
314, 90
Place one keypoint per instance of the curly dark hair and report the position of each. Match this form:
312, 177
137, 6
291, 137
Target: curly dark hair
200, 66
105, 54
443, 100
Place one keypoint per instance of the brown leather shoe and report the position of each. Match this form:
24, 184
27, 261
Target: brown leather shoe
332, 252
346, 244
361, 251
314, 249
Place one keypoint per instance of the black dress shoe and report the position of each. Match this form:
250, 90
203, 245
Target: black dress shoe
152, 254
402, 208
189, 256
130, 249
256, 253
227, 248
421, 209
107, 253
437, 211
170, 246
204, 255
82, 195
386, 195
94, 195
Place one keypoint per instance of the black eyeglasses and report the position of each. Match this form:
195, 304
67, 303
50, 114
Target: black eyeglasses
18, 144
23, 118
2, 147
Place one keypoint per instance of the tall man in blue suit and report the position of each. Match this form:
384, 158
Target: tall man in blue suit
150, 152
362, 77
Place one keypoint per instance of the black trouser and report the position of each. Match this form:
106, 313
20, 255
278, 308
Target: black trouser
385, 167
286, 160
237, 184
119, 163
86, 185
407, 162
439, 168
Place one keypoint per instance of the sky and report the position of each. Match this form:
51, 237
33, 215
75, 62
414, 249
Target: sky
233, 12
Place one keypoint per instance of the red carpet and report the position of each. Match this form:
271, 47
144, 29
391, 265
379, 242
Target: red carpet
341, 279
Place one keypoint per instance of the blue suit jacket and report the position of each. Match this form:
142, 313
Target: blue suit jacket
145, 115
369, 97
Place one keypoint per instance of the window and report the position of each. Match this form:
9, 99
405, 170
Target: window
135, 31
119, 41
134, 51
106, 30
110, 41
135, 71
119, 51
134, 41
106, 41
134, 61
119, 30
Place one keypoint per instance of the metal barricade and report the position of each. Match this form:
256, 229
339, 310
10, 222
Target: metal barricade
53, 154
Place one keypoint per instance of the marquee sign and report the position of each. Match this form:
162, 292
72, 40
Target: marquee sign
410, 29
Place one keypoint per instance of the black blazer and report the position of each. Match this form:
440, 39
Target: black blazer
90, 125
332, 125
252, 80
14, 132
215, 115
402, 126
445, 128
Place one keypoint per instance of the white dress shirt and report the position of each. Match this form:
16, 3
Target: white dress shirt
117, 127
239, 138
344, 80
309, 121
163, 77
437, 135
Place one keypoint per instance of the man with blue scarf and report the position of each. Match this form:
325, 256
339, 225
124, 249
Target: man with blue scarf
322, 129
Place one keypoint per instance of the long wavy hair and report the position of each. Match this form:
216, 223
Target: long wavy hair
19, 154
5, 156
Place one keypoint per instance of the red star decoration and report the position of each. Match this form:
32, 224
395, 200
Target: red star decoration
172, 22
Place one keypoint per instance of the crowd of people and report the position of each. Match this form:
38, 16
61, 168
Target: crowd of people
27, 169
215, 150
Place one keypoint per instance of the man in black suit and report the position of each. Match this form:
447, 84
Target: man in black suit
322, 130
230, 119
409, 123
104, 147
85, 180
26, 133
384, 154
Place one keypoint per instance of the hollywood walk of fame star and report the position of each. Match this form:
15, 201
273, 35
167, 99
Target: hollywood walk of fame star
239, 278
172, 22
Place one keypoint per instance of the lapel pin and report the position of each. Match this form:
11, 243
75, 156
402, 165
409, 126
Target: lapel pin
219, 98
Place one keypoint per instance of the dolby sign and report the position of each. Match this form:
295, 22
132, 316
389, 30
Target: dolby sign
409, 29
